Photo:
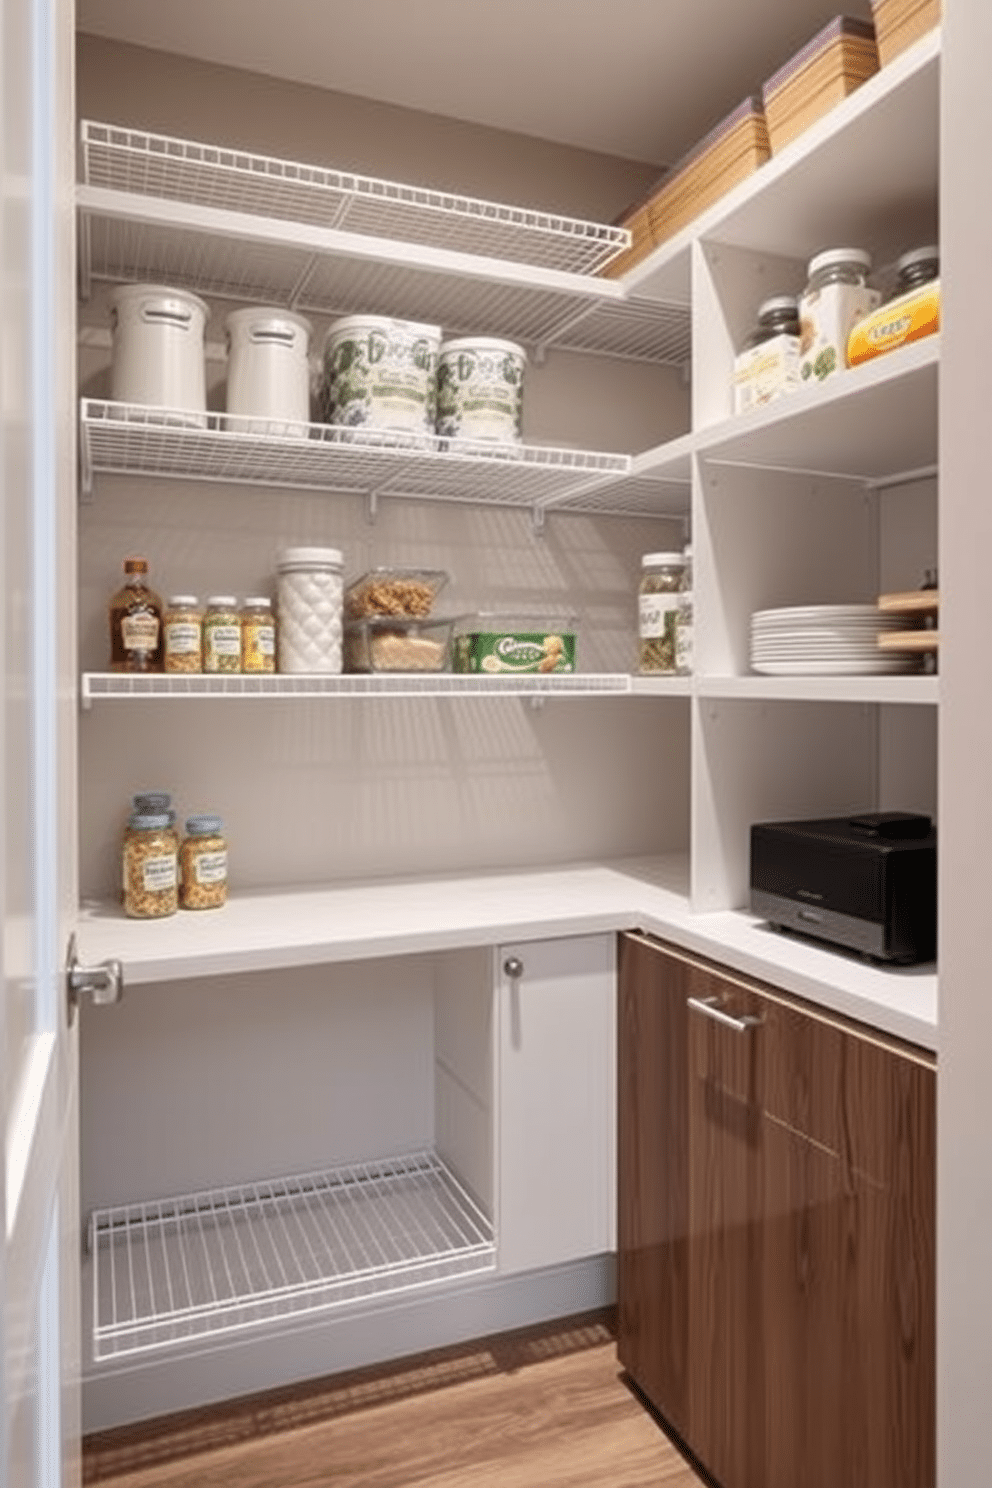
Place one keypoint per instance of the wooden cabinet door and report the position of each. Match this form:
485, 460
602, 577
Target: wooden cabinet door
726, 1157
777, 1212
848, 1263
653, 1176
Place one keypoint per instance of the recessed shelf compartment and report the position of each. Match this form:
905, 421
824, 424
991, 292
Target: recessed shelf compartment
105, 686
125, 439
875, 423
175, 1270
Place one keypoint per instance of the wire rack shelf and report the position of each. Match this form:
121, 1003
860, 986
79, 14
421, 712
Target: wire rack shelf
236, 226
237, 180
106, 686
125, 438
203, 1264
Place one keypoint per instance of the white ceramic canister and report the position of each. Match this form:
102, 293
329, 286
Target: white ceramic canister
309, 602
158, 350
480, 389
268, 373
380, 373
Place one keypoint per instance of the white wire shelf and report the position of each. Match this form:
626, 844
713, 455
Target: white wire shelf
203, 1264
235, 226
236, 180
105, 686
124, 438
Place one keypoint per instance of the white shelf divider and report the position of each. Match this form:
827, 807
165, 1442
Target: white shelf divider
206, 1264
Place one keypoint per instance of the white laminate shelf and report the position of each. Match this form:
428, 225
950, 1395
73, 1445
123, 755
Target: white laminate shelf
312, 925
238, 226
213, 1263
104, 687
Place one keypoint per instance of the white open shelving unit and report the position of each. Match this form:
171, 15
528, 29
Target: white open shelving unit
249, 228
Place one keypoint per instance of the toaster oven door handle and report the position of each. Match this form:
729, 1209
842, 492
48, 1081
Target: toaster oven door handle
710, 1008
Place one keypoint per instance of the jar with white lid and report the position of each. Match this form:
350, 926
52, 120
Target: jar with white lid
258, 635
837, 295
182, 632
658, 599
309, 609
222, 634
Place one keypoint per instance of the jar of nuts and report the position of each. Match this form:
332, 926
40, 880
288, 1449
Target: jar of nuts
258, 635
222, 635
203, 864
150, 867
661, 580
182, 628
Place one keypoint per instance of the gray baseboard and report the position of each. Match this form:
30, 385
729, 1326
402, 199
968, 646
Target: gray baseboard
265, 1359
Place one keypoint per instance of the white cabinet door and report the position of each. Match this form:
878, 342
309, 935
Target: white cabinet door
556, 1079
39, 1266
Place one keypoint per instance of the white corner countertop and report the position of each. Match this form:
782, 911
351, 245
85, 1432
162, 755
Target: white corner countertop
267, 929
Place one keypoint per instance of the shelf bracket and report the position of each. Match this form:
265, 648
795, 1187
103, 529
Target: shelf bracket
537, 520
303, 278
372, 507
85, 471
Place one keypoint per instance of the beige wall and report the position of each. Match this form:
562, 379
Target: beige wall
120, 84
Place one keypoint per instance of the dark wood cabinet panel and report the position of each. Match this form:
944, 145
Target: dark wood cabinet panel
782, 1320
653, 1177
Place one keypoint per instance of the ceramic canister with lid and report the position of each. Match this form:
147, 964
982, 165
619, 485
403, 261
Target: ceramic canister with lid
480, 388
268, 371
309, 603
158, 357
381, 373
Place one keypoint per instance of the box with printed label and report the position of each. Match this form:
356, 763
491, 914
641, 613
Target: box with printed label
493, 646
766, 372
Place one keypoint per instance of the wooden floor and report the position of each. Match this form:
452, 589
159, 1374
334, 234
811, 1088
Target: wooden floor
541, 1408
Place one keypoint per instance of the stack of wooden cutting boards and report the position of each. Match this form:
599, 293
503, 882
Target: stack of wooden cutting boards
830, 66
898, 23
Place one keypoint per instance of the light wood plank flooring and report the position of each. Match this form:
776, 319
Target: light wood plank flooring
541, 1408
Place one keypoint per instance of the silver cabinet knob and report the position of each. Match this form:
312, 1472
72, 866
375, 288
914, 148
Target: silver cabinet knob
513, 967
103, 983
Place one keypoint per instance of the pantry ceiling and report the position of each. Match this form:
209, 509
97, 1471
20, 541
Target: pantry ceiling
641, 79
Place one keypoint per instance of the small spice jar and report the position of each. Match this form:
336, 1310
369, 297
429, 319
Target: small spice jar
661, 581
222, 634
150, 867
203, 864
182, 628
258, 635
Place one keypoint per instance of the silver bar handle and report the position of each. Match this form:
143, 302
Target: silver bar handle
710, 1008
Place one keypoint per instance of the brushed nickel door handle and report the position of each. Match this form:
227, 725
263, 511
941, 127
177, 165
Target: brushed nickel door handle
710, 1008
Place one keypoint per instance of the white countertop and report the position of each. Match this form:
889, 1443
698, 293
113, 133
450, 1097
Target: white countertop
267, 929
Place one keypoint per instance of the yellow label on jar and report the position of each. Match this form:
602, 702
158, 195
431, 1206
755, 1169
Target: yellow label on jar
258, 645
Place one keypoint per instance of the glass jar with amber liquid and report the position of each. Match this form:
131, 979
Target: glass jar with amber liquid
135, 622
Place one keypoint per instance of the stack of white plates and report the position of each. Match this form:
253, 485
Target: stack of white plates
822, 640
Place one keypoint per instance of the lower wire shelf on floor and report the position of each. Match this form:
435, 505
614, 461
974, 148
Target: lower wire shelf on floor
172, 1271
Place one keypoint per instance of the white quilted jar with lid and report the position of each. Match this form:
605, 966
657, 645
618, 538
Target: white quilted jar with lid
309, 602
